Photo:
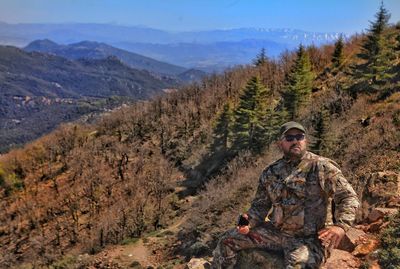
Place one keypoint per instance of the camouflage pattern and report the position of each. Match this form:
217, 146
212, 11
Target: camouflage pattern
291, 205
298, 252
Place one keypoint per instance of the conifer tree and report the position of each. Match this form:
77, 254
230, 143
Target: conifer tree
298, 84
321, 124
376, 50
223, 129
337, 56
261, 58
249, 130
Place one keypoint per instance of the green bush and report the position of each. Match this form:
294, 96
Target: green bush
389, 254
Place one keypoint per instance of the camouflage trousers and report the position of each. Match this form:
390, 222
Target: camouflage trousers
298, 252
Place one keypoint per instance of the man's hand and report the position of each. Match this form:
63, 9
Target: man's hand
243, 224
331, 236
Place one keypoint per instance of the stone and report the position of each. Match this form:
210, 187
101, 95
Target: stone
384, 184
379, 212
382, 190
198, 249
198, 263
375, 226
341, 259
366, 246
349, 241
374, 265
259, 259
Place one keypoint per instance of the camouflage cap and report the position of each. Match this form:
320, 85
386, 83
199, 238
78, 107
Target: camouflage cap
291, 125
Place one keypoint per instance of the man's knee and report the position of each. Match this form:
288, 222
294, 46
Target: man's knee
303, 257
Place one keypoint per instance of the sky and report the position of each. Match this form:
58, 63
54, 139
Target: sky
345, 16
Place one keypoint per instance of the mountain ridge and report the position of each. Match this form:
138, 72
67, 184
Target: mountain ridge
85, 85
274, 40
97, 50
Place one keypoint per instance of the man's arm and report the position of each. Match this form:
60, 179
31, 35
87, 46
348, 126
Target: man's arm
261, 203
345, 199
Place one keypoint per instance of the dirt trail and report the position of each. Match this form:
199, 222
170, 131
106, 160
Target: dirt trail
127, 254
144, 250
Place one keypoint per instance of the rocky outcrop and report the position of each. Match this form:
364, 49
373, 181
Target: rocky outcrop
382, 190
341, 259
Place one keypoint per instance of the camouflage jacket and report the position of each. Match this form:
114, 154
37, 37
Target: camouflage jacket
297, 196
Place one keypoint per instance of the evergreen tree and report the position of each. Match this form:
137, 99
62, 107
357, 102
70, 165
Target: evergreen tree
222, 131
321, 124
298, 84
377, 51
249, 130
261, 58
337, 56
274, 118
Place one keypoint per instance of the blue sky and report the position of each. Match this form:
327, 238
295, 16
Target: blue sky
347, 16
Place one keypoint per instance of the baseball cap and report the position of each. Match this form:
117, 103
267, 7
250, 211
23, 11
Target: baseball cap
291, 125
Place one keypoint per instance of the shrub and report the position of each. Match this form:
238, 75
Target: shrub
389, 255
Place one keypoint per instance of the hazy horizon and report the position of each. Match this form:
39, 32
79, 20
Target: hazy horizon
179, 16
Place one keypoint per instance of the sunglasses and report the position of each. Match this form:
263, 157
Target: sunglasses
298, 137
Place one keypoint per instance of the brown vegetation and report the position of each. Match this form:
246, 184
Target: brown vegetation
86, 186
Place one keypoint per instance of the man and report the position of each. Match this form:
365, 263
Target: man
291, 209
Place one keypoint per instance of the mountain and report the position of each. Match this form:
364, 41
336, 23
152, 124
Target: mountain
38, 91
227, 47
39, 74
208, 56
157, 183
95, 50
110, 33
192, 75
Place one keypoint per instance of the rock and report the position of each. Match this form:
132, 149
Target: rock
374, 265
341, 259
135, 264
198, 249
198, 263
382, 189
366, 246
349, 241
379, 212
259, 259
384, 184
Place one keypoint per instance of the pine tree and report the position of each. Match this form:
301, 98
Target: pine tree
249, 130
261, 58
377, 51
223, 130
337, 56
321, 124
298, 84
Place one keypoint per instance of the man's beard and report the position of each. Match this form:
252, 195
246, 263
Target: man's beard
294, 154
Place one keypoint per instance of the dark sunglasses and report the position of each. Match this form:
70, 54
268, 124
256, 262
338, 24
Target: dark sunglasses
298, 137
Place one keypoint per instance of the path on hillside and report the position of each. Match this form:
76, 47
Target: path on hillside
146, 250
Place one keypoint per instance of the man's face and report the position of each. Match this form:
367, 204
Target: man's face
295, 148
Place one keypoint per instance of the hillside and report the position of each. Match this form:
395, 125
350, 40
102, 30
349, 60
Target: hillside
39, 91
95, 50
169, 175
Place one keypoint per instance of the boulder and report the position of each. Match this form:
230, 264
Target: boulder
198, 263
350, 240
382, 190
341, 259
366, 246
198, 249
379, 212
